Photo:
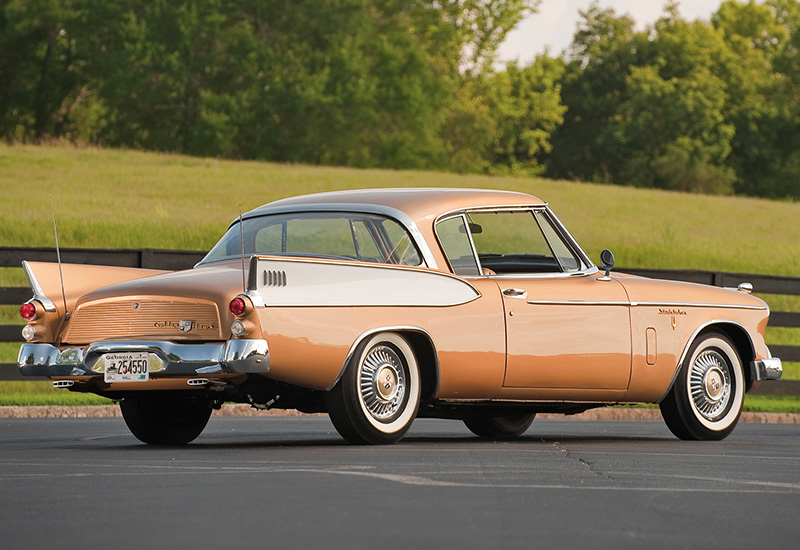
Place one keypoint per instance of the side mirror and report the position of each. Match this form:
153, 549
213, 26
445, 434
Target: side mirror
606, 263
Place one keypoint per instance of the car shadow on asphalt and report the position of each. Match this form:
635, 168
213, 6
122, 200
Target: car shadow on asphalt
304, 441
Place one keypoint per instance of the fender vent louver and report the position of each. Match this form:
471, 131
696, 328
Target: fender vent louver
274, 278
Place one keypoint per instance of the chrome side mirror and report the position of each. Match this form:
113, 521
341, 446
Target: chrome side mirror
606, 263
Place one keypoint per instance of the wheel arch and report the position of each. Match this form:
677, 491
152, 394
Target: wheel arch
738, 336
424, 350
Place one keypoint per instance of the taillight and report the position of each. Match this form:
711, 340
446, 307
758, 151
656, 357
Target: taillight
28, 311
237, 306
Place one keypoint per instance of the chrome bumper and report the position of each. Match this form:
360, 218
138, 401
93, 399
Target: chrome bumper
168, 358
766, 369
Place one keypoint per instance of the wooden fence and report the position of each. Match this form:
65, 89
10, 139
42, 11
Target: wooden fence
182, 259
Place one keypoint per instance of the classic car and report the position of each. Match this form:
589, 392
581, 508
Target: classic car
380, 306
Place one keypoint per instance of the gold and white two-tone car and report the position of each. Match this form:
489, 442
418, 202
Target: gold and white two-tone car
378, 306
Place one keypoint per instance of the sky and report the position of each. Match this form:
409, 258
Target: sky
554, 23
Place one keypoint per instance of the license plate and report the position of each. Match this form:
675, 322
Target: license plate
127, 367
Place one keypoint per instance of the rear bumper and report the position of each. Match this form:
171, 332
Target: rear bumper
232, 356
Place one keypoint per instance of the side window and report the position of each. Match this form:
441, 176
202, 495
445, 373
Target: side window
401, 250
367, 248
519, 241
364, 237
330, 237
457, 247
269, 240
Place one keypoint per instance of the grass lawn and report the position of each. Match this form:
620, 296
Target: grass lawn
129, 199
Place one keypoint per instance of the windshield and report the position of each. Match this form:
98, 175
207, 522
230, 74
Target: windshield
340, 235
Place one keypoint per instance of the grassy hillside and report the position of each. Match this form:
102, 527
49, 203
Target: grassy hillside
129, 199
112, 198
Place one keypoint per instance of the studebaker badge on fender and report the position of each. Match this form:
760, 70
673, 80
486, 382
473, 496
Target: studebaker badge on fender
379, 306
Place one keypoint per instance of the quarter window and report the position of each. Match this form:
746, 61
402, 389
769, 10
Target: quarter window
457, 247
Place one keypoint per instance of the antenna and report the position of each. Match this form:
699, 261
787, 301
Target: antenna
241, 240
58, 255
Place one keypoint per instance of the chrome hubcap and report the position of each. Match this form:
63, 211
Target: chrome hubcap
382, 382
710, 384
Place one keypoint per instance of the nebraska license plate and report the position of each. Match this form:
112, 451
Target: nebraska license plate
127, 367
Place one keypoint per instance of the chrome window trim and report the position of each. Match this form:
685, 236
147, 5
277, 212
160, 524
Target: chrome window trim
563, 275
399, 216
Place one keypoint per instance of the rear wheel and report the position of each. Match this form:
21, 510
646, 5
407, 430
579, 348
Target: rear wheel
165, 420
500, 427
377, 397
705, 401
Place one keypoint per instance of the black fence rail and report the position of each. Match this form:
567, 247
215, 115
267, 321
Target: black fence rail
183, 259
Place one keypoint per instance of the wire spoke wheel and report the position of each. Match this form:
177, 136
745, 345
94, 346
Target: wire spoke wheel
710, 384
382, 379
706, 400
377, 397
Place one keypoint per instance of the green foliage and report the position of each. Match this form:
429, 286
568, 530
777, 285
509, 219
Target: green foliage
526, 106
699, 106
340, 82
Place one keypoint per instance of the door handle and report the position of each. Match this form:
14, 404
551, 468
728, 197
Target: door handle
515, 293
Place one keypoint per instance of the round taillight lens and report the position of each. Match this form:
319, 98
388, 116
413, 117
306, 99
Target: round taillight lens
237, 306
28, 311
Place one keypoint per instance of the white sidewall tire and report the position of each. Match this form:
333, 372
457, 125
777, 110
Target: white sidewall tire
410, 401
737, 395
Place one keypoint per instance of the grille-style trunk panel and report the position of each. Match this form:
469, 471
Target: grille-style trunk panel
152, 317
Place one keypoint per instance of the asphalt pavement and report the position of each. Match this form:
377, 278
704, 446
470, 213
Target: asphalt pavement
292, 482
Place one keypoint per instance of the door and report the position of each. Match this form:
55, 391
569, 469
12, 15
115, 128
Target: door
566, 332
567, 326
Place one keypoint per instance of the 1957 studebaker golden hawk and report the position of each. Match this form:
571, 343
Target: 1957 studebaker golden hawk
378, 306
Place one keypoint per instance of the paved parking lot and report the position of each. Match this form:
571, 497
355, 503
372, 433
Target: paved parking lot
291, 482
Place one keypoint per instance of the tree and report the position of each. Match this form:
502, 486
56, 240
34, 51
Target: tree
42, 77
526, 106
646, 108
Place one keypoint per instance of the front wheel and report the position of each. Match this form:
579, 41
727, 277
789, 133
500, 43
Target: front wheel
500, 427
377, 397
165, 420
706, 400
